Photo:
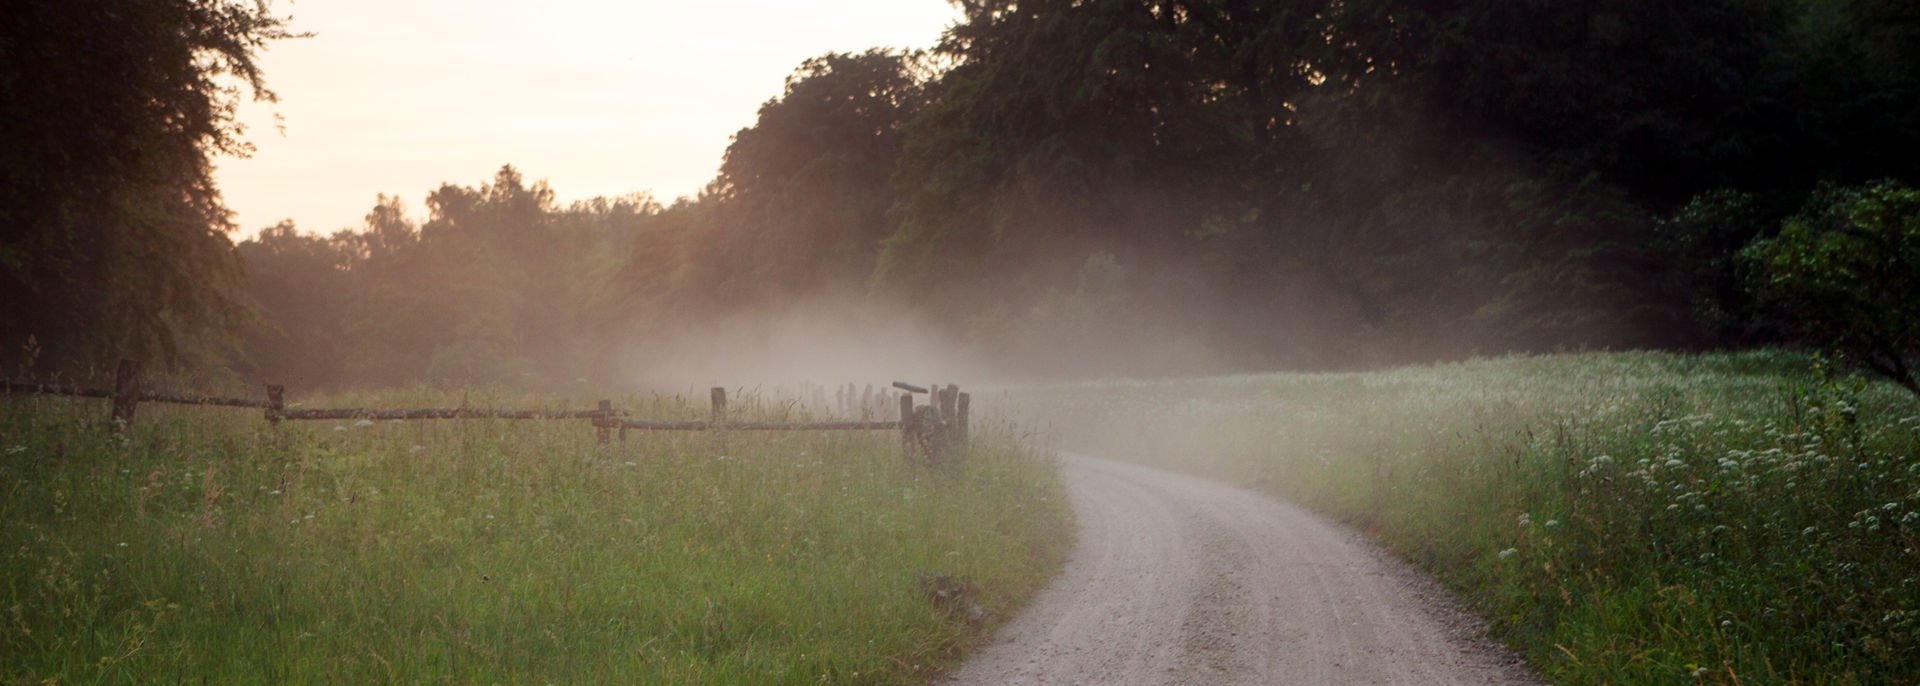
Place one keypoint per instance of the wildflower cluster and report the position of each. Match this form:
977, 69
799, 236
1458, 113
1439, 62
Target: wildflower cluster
1623, 518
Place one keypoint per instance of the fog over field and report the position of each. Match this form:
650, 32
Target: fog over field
1051, 189
1600, 314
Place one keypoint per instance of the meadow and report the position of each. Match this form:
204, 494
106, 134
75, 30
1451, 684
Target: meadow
1747, 518
210, 546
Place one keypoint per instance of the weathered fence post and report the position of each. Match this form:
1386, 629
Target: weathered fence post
276, 403
906, 426
126, 395
948, 399
717, 421
600, 422
963, 426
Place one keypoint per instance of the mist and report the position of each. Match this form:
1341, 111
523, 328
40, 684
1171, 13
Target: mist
813, 343
1014, 205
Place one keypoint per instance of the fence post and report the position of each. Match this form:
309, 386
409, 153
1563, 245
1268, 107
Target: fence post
963, 426
717, 421
949, 396
600, 422
276, 403
126, 395
906, 426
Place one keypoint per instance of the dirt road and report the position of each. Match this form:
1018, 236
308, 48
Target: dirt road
1179, 580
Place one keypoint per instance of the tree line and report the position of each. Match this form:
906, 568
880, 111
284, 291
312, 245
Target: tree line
1112, 186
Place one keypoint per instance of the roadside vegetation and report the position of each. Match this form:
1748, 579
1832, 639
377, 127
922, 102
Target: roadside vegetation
212, 546
1621, 517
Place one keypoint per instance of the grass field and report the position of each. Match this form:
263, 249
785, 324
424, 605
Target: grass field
211, 547
1622, 518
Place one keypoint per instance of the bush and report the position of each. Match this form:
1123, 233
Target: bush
1702, 241
1843, 275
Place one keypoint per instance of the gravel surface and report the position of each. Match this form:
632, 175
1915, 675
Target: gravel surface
1180, 580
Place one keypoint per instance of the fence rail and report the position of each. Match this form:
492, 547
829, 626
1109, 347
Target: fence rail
438, 413
704, 425
933, 430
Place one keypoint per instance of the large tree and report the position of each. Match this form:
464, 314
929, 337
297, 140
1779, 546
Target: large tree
802, 195
115, 235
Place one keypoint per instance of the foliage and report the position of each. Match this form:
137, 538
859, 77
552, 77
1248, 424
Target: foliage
210, 544
1298, 184
1472, 176
498, 286
501, 285
115, 235
1844, 272
1302, 183
300, 285
1704, 239
1620, 518
801, 198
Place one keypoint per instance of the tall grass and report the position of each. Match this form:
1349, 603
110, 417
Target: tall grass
1622, 518
212, 547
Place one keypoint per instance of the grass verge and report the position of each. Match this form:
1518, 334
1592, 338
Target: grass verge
1621, 518
212, 547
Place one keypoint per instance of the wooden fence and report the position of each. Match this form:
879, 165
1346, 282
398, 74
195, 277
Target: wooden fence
933, 430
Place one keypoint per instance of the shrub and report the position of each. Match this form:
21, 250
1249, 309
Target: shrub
1844, 274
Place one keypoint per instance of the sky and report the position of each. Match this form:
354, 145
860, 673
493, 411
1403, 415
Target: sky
598, 97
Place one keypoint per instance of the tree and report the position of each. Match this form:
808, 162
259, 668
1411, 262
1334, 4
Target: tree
1844, 274
802, 194
301, 286
110, 111
499, 286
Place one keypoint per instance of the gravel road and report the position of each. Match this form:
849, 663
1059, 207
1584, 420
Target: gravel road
1180, 580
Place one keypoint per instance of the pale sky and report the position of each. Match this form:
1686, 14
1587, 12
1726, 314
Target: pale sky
598, 97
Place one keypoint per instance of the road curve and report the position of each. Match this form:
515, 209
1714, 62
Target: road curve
1180, 580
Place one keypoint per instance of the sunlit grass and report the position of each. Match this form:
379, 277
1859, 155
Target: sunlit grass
213, 547
1622, 518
